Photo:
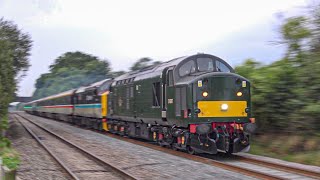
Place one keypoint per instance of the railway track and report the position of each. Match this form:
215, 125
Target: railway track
249, 166
76, 161
245, 165
291, 169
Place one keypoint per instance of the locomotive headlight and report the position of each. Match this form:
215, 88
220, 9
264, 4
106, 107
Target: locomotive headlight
205, 94
224, 107
239, 94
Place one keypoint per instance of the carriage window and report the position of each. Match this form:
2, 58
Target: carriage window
205, 64
220, 67
187, 68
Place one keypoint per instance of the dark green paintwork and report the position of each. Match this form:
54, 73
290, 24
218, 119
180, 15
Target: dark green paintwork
220, 86
140, 106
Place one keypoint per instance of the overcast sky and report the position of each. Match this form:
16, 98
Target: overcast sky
123, 31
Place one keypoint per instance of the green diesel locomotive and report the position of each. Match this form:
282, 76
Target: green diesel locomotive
193, 103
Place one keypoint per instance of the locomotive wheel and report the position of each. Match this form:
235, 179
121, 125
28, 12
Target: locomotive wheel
190, 150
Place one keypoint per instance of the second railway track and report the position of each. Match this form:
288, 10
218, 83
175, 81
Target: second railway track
79, 163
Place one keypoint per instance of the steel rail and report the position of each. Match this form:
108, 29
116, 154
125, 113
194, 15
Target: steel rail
65, 167
291, 169
122, 173
211, 162
249, 172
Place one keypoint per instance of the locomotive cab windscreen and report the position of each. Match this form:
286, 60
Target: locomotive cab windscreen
202, 64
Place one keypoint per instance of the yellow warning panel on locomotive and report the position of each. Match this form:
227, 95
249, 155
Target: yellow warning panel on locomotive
222, 108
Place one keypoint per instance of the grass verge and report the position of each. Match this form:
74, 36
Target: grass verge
10, 157
294, 148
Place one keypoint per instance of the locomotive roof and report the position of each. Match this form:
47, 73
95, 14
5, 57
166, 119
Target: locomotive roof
91, 86
65, 93
150, 71
156, 70
70, 92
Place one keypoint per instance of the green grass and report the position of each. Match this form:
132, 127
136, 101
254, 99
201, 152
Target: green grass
305, 150
10, 158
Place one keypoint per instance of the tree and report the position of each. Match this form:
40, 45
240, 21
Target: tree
315, 28
247, 68
285, 93
7, 81
142, 63
19, 43
14, 53
72, 70
294, 32
80, 60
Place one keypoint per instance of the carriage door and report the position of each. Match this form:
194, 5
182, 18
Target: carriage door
167, 94
181, 102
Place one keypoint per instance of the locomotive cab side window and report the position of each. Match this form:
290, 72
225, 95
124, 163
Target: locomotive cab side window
170, 78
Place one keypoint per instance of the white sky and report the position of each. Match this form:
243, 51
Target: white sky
123, 31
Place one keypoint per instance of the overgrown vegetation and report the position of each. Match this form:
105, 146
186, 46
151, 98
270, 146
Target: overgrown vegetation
10, 157
14, 52
296, 148
285, 94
